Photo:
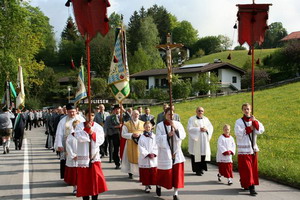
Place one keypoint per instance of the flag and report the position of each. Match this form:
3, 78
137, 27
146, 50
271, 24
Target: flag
12, 89
91, 17
20, 101
6, 100
252, 23
118, 78
81, 91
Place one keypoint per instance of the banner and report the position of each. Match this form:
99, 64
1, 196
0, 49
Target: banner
81, 91
20, 101
118, 78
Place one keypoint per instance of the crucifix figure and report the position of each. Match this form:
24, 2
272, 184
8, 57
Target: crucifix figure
168, 48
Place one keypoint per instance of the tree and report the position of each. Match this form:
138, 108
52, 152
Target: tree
181, 88
133, 36
286, 59
185, 33
146, 56
100, 88
138, 88
273, 35
239, 47
209, 44
206, 83
162, 20
22, 35
225, 42
70, 31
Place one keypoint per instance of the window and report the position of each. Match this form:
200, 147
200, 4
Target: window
234, 79
164, 82
156, 82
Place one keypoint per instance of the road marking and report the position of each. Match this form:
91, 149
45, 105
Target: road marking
26, 183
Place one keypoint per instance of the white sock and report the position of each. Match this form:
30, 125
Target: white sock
176, 191
8, 143
74, 187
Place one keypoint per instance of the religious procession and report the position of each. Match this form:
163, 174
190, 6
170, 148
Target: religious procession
175, 148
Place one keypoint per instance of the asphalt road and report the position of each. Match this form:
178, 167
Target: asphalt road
33, 173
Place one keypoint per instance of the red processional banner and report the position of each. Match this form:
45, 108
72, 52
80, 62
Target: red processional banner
252, 23
91, 17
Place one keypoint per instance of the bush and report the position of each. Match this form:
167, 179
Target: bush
33, 103
159, 94
138, 88
181, 89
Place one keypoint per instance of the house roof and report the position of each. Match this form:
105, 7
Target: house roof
193, 68
292, 36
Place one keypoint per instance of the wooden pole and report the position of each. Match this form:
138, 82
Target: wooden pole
88, 57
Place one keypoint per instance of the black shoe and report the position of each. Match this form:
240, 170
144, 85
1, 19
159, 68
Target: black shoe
158, 191
175, 197
117, 167
252, 190
4, 152
198, 173
130, 175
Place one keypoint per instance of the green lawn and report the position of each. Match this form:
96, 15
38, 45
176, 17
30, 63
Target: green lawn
278, 109
238, 58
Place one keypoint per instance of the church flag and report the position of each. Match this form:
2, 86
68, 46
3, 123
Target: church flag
118, 78
252, 23
20, 101
81, 91
91, 17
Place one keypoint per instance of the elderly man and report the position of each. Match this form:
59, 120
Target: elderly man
200, 132
131, 132
62, 132
100, 118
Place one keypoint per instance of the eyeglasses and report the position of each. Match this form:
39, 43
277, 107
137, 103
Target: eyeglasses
200, 110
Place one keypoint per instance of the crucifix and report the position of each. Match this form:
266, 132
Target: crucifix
168, 48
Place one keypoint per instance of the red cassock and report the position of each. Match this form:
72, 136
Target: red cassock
225, 169
91, 17
148, 176
248, 169
252, 23
90, 180
70, 175
170, 178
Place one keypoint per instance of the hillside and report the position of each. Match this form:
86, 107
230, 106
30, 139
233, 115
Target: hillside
238, 58
277, 108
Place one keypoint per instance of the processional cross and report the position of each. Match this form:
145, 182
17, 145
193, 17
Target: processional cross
168, 48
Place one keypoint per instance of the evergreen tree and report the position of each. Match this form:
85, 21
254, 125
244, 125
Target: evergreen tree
70, 31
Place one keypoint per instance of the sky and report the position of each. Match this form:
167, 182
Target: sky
209, 17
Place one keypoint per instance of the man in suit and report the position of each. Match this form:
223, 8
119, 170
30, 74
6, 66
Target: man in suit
161, 116
147, 116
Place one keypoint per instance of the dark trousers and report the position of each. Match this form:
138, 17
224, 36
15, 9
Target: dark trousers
114, 148
28, 122
198, 166
18, 142
62, 168
103, 147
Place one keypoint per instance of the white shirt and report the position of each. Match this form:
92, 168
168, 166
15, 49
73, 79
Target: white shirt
83, 139
225, 144
71, 148
164, 158
147, 145
199, 141
242, 139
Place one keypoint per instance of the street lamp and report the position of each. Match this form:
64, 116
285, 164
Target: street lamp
69, 91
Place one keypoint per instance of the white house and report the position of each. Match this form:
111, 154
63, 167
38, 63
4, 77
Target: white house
229, 75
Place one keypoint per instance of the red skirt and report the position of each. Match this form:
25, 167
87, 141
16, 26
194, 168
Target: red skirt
148, 176
248, 169
90, 180
169, 178
225, 169
122, 146
70, 175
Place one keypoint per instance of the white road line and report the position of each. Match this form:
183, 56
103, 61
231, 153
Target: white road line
26, 183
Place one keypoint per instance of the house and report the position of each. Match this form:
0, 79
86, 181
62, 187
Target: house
229, 75
292, 36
